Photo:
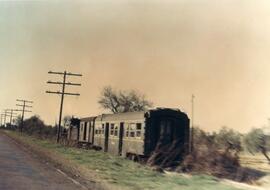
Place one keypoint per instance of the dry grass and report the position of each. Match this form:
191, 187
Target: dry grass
257, 161
260, 163
119, 173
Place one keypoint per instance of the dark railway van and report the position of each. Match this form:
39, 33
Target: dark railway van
136, 133
73, 126
87, 126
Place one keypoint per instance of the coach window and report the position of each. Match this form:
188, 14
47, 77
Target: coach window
116, 131
138, 129
127, 131
102, 129
112, 129
81, 126
132, 130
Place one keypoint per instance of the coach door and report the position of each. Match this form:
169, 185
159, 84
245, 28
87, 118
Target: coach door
121, 134
166, 131
91, 132
84, 130
106, 142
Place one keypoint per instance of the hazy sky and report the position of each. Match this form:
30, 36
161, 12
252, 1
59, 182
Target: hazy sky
218, 50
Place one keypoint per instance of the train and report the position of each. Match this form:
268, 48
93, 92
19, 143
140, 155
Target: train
135, 135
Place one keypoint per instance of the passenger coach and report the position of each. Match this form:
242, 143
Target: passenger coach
136, 133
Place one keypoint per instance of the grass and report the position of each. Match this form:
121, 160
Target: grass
124, 173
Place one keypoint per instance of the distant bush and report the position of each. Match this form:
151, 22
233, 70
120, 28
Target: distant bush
213, 154
228, 140
217, 154
35, 126
257, 141
8, 127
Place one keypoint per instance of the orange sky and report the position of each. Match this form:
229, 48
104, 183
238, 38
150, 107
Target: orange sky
218, 50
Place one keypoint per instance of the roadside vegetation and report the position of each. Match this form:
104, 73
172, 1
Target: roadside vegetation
216, 154
118, 172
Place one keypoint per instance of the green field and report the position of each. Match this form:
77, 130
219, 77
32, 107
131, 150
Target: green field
122, 173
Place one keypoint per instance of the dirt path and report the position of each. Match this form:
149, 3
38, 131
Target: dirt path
20, 171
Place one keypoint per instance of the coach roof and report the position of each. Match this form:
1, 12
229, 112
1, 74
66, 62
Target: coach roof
88, 119
137, 115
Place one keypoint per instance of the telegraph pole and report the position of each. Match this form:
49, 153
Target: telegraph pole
63, 93
2, 119
5, 117
12, 114
5, 114
192, 124
24, 106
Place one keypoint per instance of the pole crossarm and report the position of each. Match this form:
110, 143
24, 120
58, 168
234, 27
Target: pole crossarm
65, 93
68, 83
24, 106
74, 84
10, 109
8, 113
71, 94
26, 101
65, 73
57, 73
74, 74
25, 110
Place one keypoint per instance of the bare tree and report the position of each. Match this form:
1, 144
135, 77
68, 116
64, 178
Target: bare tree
66, 119
123, 101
